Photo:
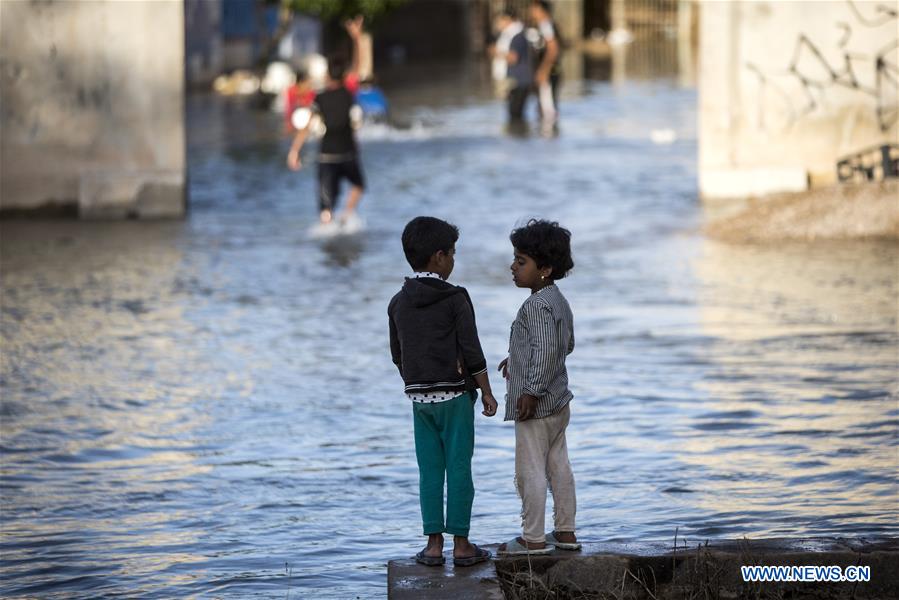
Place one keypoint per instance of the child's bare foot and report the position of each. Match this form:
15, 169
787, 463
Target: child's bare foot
462, 548
466, 554
435, 546
432, 555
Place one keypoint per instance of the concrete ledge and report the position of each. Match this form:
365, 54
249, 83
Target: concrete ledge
838, 212
749, 183
647, 571
138, 194
406, 579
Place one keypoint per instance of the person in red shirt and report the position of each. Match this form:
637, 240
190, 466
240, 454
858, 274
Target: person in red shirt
299, 95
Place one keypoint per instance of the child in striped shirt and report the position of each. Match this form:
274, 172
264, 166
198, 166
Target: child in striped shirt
537, 388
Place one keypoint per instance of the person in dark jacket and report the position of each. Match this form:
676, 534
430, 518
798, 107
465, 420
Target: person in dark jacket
434, 344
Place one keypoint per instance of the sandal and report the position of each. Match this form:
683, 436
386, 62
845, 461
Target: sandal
551, 539
516, 548
480, 555
429, 561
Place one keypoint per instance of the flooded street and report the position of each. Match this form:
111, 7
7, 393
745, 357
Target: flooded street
208, 407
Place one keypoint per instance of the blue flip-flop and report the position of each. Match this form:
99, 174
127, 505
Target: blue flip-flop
429, 561
480, 555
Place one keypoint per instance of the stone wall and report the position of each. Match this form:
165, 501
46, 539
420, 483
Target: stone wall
92, 107
787, 88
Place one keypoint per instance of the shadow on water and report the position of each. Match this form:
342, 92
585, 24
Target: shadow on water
344, 250
189, 407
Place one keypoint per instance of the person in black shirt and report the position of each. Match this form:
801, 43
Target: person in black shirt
338, 152
514, 49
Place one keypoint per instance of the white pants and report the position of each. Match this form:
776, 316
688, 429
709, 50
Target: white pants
547, 103
541, 459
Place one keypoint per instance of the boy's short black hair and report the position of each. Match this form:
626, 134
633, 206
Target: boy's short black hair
336, 67
548, 243
423, 237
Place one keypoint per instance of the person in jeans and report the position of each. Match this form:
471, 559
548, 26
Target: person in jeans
513, 49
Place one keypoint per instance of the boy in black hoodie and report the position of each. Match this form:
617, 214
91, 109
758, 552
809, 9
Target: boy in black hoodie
434, 343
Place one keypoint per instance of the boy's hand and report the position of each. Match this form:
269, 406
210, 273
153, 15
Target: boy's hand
489, 405
354, 26
527, 407
503, 368
293, 161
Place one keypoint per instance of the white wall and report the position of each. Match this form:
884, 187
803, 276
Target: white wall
779, 103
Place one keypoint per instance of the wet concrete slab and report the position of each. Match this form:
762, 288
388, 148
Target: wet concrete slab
658, 570
406, 579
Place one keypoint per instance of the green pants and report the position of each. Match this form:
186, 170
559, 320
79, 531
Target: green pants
444, 444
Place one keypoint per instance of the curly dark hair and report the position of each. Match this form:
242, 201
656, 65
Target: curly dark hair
548, 243
424, 236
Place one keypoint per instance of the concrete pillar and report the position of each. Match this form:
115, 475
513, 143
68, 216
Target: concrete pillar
788, 88
686, 55
569, 18
93, 107
618, 16
203, 42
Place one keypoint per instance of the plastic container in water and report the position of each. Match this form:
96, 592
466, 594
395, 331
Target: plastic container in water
373, 102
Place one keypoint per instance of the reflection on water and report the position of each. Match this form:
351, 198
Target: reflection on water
803, 343
195, 408
344, 250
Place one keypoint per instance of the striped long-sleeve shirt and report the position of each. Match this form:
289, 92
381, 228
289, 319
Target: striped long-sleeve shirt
542, 336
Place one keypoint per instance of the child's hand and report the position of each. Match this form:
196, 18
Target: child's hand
527, 407
489, 405
502, 368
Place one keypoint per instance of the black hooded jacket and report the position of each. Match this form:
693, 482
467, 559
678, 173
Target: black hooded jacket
433, 337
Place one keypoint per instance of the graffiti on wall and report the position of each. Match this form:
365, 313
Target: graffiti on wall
817, 77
